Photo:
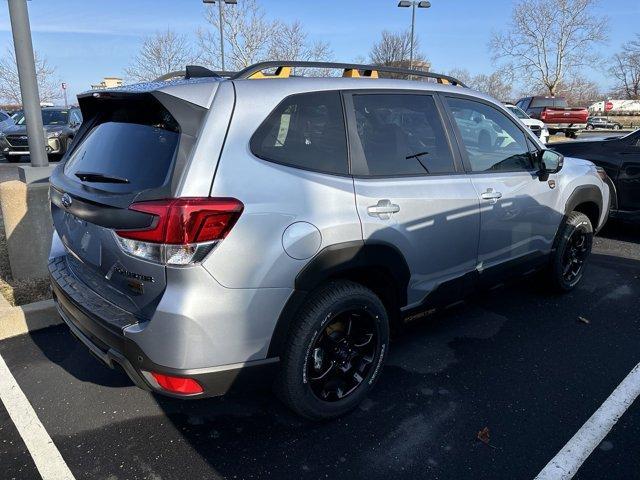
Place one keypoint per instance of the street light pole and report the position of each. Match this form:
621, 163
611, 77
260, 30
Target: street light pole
413, 4
221, 23
413, 25
220, 2
21, 31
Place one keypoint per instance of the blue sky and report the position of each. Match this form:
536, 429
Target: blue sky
89, 39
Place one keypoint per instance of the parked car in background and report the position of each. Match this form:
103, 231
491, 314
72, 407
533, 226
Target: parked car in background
620, 158
556, 114
60, 127
602, 122
5, 121
294, 231
537, 126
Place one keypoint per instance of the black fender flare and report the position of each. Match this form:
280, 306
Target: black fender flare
583, 194
335, 261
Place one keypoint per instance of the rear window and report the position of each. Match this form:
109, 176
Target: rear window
132, 149
305, 131
549, 102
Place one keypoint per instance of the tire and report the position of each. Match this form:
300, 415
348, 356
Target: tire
552, 132
317, 346
570, 134
616, 127
590, 127
576, 224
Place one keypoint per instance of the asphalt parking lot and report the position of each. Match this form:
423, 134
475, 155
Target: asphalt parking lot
519, 361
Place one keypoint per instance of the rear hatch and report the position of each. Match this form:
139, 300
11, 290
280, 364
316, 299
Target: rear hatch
132, 147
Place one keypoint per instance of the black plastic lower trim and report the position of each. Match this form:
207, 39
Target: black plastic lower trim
113, 349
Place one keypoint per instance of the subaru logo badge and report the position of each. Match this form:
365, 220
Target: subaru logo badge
66, 200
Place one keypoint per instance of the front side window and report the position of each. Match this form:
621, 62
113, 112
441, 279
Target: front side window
491, 140
305, 131
401, 134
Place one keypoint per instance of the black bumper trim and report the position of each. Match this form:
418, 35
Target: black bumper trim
111, 349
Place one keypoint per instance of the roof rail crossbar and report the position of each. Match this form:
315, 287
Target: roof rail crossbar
368, 70
195, 71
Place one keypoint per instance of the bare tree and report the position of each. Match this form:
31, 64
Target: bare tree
251, 37
393, 49
48, 85
291, 43
161, 53
247, 33
549, 38
580, 92
626, 70
498, 84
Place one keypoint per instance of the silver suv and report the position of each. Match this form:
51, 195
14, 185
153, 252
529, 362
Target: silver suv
216, 232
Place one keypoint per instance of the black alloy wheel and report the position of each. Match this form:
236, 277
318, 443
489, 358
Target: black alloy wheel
342, 355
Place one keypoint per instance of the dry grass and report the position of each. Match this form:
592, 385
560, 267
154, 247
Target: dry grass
18, 292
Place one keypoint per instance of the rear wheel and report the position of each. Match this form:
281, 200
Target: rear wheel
571, 253
334, 352
616, 127
590, 127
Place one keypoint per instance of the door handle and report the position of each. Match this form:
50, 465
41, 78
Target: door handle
491, 195
383, 209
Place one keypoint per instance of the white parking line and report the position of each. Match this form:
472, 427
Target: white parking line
45, 455
566, 463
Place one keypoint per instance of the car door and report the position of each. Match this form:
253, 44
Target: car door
519, 216
628, 181
411, 190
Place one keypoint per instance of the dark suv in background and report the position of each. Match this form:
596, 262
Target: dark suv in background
60, 126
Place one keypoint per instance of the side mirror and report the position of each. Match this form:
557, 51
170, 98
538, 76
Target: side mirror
549, 162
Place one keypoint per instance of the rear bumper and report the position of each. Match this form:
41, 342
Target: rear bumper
566, 126
112, 347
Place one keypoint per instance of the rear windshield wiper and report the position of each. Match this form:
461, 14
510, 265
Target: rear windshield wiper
100, 177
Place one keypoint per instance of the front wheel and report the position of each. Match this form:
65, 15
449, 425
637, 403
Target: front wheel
616, 127
590, 127
572, 250
335, 351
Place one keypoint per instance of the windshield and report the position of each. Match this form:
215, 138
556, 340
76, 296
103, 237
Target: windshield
49, 117
517, 112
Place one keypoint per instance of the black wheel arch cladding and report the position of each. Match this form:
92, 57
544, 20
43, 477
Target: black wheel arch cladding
340, 261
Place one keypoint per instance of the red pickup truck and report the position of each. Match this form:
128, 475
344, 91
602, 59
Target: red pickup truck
556, 114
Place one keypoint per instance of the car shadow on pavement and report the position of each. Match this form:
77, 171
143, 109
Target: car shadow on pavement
435, 381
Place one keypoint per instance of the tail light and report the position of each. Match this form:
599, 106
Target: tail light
183, 231
543, 115
179, 385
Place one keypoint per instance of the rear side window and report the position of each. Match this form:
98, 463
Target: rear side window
133, 143
401, 134
305, 131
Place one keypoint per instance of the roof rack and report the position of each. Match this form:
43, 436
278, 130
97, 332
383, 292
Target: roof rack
195, 71
283, 70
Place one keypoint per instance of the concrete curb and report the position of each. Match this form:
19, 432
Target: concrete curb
16, 321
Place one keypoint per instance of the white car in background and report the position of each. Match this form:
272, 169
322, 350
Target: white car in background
538, 127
